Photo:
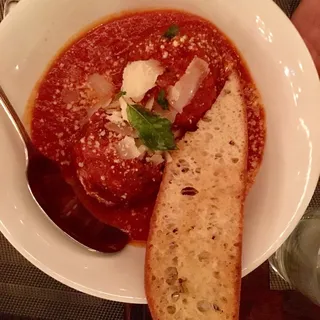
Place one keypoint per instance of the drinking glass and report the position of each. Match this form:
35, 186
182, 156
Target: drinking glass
298, 259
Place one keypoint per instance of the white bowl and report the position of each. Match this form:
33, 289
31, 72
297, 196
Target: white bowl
283, 70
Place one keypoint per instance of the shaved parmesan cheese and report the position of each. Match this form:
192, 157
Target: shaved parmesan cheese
139, 77
116, 117
123, 106
149, 104
127, 149
92, 110
156, 159
113, 105
142, 149
124, 130
181, 94
101, 85
97, 106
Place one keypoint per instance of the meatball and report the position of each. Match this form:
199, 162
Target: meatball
105, 175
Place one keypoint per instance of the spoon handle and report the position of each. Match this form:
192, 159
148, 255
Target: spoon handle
14, 118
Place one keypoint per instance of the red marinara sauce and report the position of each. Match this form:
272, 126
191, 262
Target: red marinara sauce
58, 125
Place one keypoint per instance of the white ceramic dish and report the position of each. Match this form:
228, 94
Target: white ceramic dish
284, 73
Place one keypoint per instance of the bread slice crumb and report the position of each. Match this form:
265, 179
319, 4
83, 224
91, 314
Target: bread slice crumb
193, 260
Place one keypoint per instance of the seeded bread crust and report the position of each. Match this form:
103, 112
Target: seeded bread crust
193, 259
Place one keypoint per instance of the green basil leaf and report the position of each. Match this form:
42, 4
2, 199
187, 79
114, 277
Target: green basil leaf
172, 31
154, 131
162, 100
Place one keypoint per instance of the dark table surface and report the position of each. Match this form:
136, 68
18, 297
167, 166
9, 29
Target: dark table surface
258, 302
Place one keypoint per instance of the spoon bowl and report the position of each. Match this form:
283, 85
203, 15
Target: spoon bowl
47, 185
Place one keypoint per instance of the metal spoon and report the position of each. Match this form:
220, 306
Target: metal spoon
46, 183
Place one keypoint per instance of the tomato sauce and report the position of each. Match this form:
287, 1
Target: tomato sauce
122, 194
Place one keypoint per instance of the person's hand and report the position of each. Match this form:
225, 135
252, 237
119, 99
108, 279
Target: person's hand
307, 20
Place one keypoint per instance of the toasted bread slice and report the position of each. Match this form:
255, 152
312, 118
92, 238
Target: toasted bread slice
193, 260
